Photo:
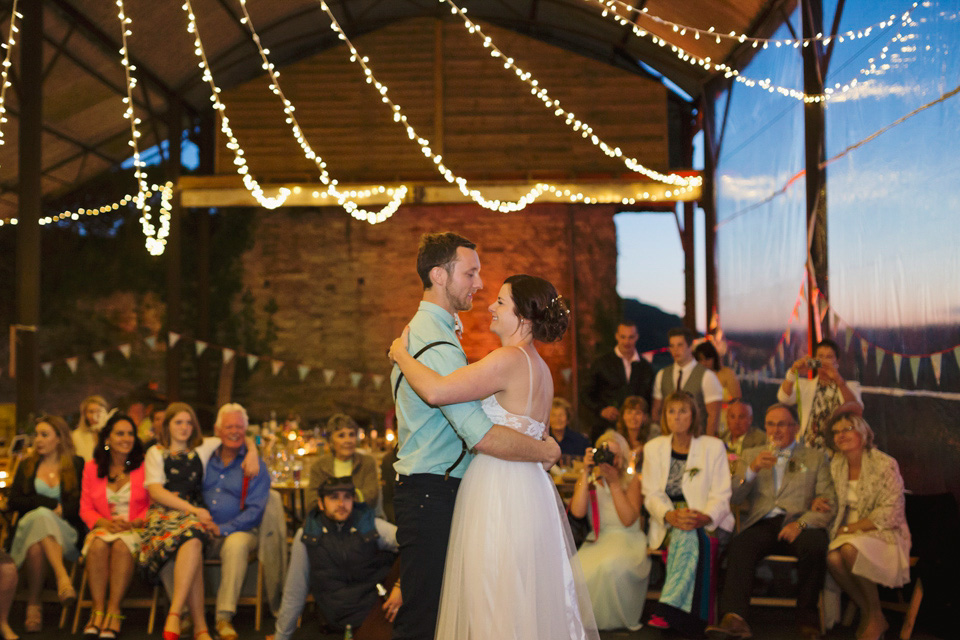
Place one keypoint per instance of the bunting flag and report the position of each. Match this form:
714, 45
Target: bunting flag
956, 355
199, 346
328, 375
824, 310
303, 370
567, 372
864, 349
99, 357
936, 360
897, 359
646, 355
275, 366
172, 338
836, 322
915, 367
252, 361
880, 356
47, 368
151, 342
125, 350
377, 379
72, 363
355, 379
847, 336
780, 350
228, 355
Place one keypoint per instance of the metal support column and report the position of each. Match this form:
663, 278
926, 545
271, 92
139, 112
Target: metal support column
708, 202
28, 229
173, 254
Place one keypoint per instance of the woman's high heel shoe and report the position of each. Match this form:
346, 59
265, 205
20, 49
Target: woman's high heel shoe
170, 635
92, 630
109, 633
34, 620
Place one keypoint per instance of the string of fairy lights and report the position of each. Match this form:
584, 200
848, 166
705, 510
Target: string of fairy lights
4, 73
345, 198
164, 190
569, 118
610, 9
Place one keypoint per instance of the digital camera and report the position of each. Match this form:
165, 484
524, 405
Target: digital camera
603, 455
813, 363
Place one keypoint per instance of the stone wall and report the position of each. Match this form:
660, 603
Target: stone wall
345, 289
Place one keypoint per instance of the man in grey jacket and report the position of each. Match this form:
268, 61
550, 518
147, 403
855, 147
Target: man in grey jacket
781, 482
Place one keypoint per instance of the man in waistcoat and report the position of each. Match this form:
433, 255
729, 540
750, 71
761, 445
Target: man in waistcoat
688, 375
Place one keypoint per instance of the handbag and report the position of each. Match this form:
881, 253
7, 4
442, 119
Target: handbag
581, 527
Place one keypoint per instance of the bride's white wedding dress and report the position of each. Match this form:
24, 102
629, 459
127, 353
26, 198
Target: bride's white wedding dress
511, 571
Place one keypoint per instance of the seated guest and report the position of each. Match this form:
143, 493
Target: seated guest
614, 557
344, 460
740, 433
634, 426
340, 556
781, 485
571, 441
686, 485
236, 504
819, 398
113, 505
870, 539
93, 413
46, 494
8, 587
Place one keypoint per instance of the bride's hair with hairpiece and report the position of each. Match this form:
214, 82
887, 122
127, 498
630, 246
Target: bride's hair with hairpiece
538, 301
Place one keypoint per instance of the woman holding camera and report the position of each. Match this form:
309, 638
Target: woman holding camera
686, 484
614, 556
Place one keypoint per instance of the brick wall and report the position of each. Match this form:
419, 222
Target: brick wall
345, 290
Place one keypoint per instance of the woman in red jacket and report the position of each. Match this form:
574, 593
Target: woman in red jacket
113, 505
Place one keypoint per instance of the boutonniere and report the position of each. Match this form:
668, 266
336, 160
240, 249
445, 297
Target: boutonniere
795, 466
693, 472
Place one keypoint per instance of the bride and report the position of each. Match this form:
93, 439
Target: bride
511, 569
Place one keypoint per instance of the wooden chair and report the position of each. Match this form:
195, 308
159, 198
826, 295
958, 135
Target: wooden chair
256, 600
909, 609
765, 601
129, 602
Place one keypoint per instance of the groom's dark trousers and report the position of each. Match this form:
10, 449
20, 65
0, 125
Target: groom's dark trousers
423, 504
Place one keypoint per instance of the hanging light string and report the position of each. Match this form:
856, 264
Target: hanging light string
165, 190
345, 199
156, 240
233, 144
571, 120
681, 29
462, 183
4, 80
729, 72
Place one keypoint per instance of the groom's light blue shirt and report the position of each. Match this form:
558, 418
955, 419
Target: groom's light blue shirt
428, 444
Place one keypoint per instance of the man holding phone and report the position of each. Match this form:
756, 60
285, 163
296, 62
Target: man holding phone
818, 398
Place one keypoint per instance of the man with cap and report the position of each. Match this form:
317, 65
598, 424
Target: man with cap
340, 555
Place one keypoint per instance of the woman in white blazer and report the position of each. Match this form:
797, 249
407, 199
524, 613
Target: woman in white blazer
686, 489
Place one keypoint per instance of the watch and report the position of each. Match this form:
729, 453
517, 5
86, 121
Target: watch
844, 529
801, 524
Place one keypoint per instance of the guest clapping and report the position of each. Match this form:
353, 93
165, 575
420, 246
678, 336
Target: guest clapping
686, 484
113, 505
46, 494
344, 460
870, 540
614, 558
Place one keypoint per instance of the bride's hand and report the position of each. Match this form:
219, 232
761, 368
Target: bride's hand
399, 345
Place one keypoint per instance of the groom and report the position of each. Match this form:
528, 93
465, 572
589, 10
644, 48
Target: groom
437, 443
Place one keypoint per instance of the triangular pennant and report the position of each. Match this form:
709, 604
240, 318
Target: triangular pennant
377, 379
936, 360
864, 349
72, 363
897, 359
151, 342
99, 356
880, 353
823, 310
252, 361
847, 337
780, 349
199, 346
125, 350
566, 373
275, 366
303, 370
355, 379
328, 375
647, 355
228, 355
956, 355
47, 368
915, 367
173, 338
836, 322
786, 337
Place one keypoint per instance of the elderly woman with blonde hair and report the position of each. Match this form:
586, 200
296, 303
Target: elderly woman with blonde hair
870, 541
614, 557
93, 415
343, 460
